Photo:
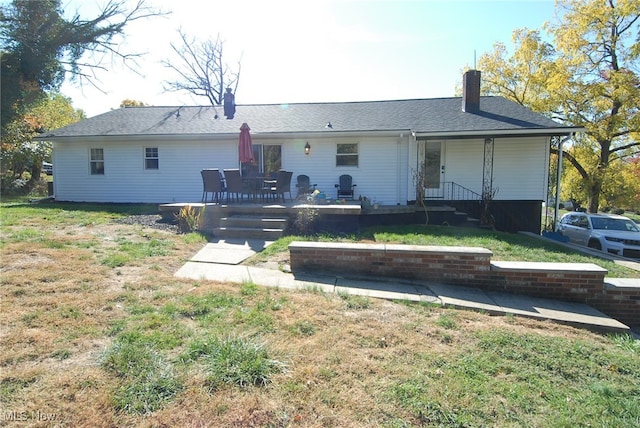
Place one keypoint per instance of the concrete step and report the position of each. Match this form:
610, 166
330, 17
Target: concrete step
267, 210
459, 218
249, 233
469, 222
252, 221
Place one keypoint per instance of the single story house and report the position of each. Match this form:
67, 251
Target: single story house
469, 147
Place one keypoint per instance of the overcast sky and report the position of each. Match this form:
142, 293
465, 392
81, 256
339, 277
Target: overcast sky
315, 50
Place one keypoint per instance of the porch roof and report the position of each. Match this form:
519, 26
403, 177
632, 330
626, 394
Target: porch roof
421, 116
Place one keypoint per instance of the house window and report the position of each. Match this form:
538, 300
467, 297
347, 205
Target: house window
96, 161
151, 160
267, 160
347, 155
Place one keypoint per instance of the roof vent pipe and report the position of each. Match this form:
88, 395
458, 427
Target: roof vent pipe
471, 91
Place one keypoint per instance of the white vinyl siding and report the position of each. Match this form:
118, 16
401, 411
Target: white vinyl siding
125, 180
463, 163
520, 168
384, 172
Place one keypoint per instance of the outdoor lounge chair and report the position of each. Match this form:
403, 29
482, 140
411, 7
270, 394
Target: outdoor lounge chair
280, 187
345, 187
303, 185
212, 183
234, 184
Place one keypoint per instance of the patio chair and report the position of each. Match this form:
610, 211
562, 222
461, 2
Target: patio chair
304, 186
234, 184
212, 183
281, 186
345, 187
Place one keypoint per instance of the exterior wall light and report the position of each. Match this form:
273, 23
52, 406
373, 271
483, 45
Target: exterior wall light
307, 148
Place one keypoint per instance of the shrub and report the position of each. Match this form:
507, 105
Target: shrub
13, 187
188, 218
304, 223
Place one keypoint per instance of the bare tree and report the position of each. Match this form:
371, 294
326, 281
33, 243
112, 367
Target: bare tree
201, 69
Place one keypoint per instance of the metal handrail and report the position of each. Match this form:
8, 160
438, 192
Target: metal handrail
451, 191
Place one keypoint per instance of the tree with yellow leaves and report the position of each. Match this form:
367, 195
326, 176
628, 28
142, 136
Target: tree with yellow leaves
588, 76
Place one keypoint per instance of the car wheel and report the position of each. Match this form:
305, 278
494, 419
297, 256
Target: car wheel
595, 245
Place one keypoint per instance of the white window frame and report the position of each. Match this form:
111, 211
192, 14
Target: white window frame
94, 162
148, 158
355, 155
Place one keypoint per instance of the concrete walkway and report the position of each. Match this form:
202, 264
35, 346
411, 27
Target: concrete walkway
220, 261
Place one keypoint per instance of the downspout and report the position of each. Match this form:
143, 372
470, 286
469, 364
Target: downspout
557, 205
399, 166
412, 159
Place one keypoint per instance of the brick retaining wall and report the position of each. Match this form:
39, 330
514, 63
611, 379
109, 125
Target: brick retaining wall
472, 266
571, 282
459, 265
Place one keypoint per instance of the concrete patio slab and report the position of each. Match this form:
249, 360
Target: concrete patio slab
214, 272
385, 290
465, 297
278, 279
230, 252
566, 312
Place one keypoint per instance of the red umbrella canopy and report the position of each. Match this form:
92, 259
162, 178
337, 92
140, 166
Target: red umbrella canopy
245, 148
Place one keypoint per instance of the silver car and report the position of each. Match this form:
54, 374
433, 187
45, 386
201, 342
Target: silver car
613, 234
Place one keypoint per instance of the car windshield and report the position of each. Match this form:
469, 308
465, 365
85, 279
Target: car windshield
614, 224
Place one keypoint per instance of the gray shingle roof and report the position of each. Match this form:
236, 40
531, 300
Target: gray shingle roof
437, 115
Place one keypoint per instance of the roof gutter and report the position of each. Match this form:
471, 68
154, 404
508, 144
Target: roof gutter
499, 133
560, 131
216, 136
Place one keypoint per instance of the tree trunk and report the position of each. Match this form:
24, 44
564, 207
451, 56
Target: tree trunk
36, 171
594, 196
597, 178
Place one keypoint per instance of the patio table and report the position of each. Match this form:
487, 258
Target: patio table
254, 185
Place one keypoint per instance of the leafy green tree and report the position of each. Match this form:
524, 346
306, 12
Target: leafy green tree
588, 77
40, 47
20, 152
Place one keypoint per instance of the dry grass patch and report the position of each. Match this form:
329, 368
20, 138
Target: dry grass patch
73, 326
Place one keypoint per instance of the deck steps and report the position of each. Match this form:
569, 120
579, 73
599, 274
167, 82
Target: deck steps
253, 221
268, 223
248, 233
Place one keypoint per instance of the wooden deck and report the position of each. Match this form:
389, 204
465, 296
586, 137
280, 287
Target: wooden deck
248, 219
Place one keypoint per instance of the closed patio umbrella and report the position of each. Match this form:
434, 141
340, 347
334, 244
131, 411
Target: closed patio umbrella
245, 148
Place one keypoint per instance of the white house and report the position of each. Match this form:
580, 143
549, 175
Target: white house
470, 146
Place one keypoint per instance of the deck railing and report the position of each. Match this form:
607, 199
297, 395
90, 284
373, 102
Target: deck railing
450, 191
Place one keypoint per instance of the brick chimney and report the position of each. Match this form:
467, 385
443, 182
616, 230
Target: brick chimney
471, 91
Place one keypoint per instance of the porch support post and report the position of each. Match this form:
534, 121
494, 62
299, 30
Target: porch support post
556, 208
487, 182
487, 170
416, 153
